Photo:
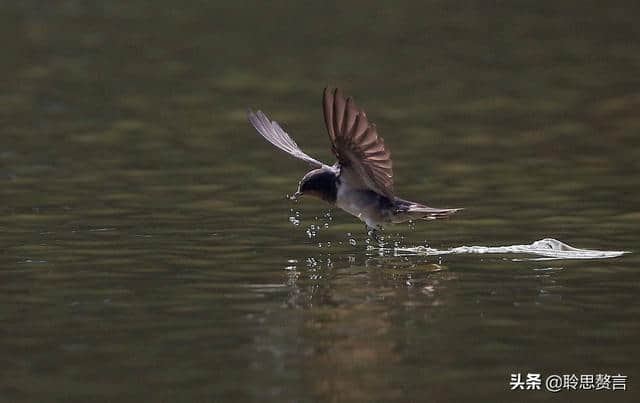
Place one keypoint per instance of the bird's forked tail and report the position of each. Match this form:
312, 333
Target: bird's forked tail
414, 211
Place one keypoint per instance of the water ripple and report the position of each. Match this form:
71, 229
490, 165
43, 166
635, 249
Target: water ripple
548, 248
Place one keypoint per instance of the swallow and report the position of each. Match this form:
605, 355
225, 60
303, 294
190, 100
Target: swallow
361, 181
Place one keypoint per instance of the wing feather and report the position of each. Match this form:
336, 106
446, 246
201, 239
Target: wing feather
356, 143
275, 135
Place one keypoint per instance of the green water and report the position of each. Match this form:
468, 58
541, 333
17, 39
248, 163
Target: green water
146, 248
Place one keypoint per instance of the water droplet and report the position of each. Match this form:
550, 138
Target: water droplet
353, 242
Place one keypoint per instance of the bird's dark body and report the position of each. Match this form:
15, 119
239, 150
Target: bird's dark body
373, 208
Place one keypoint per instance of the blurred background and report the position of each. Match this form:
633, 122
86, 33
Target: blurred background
148, 247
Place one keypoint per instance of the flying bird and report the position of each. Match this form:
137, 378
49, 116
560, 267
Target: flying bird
361, 181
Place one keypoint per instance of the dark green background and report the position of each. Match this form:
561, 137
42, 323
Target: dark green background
146, 249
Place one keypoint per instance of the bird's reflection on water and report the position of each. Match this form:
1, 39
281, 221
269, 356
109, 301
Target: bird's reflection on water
342, 302
363, 311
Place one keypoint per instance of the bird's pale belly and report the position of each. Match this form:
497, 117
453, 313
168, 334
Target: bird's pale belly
365, 205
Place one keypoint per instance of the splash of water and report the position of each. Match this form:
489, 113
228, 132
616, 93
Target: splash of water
322, 223
548, 248
294, 217
312, 231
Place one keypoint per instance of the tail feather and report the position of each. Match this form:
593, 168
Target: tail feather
430, 213
407, 210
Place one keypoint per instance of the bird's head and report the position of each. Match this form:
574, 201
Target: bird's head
320, 183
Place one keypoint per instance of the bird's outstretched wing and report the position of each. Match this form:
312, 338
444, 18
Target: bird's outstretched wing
272, 131
364, 160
